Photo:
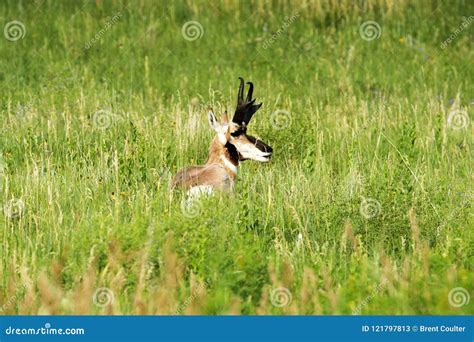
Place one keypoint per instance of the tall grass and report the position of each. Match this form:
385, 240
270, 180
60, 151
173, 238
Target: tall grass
364, 208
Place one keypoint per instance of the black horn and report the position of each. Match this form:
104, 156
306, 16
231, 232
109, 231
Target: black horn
249, 94
240, 96
245, 109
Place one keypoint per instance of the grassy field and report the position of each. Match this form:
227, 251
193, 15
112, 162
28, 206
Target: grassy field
365, 208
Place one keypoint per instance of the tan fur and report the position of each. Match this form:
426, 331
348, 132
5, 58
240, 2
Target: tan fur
214, 172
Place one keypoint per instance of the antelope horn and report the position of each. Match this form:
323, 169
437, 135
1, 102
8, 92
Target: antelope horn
240, 96
249, 94
245, 109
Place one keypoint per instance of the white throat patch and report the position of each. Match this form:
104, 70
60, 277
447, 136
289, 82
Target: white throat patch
229, 165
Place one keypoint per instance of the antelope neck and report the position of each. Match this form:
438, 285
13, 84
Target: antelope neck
225, 155
230, 158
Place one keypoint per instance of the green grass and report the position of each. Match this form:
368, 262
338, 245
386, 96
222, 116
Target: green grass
90, 138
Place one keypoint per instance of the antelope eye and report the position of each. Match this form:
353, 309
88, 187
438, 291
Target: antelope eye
237, 133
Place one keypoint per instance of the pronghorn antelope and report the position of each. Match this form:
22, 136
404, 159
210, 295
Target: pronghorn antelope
231, 145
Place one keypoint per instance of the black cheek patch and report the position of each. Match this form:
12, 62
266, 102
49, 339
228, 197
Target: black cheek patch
233, 153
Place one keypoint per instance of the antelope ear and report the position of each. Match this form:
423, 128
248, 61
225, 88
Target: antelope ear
219, 128
225, 118
213, 121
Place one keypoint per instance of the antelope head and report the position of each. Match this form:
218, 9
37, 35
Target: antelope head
248, 147
231, 145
